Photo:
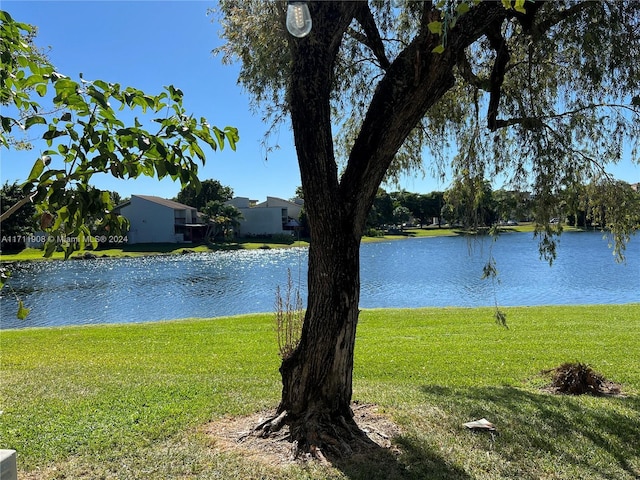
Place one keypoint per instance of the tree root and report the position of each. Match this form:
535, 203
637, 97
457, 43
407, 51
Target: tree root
273, 425
270, 426
316, 435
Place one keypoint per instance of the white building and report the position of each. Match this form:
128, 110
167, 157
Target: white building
157, 220
266, 218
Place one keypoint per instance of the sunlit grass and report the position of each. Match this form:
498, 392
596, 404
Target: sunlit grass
126, 401
142, 249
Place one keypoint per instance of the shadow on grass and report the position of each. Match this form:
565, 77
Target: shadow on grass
576, 430
414, 463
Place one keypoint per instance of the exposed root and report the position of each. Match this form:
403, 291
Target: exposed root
318, 437
266, 428
273, 425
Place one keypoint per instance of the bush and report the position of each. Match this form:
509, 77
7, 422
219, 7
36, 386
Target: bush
373, 232
285, 238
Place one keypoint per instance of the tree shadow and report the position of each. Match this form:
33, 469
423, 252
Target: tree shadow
408, 460
563, 426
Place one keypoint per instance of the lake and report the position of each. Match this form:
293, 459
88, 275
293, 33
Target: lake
412, 272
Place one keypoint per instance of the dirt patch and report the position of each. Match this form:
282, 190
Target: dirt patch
233, 434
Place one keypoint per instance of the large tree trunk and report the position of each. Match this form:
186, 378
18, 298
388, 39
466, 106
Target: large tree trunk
317, 377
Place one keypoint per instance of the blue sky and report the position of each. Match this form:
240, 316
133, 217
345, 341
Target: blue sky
149, 44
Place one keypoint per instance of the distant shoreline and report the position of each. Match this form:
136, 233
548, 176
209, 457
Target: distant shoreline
144, 249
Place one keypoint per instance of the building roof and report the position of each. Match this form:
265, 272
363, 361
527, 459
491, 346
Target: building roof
277, 202
165, 202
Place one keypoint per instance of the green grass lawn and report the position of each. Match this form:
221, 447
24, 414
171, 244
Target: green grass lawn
128, 401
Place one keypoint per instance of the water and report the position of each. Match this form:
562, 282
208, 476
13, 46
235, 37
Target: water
420, 272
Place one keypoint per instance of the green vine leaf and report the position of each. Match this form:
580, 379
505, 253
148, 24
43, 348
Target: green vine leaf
23, 312
435, 27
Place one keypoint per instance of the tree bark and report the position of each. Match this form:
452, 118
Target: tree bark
317, 377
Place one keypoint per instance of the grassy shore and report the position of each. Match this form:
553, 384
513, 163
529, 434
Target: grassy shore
136, 250
129, 401
142, 249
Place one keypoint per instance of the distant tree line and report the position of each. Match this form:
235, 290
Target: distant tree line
30, 219
471, 203
468, 203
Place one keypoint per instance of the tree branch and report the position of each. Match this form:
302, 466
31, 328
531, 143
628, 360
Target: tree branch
534, 123
466, 71
372, 37
557, 17
415, 81
499, 44
16, 206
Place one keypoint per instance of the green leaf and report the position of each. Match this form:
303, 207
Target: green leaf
6, 123
438, 49
49, 248
519, 7
232, 136
36, 170
33, 80
170, 167
435, 27
36, 119
41, 89
22, 310
101, 84
65, 89
195, 148
52, 133
98, 97
161, 168
462, 8
62, 216
175, 93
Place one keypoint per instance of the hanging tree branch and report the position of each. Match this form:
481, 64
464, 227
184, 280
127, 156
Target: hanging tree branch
538, 29
537, 122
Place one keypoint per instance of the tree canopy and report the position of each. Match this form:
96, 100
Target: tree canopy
533, 91
208, 191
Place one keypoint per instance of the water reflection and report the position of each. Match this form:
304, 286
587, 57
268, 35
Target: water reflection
404, 273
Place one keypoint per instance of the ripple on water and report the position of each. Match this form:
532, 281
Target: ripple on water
444, 271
